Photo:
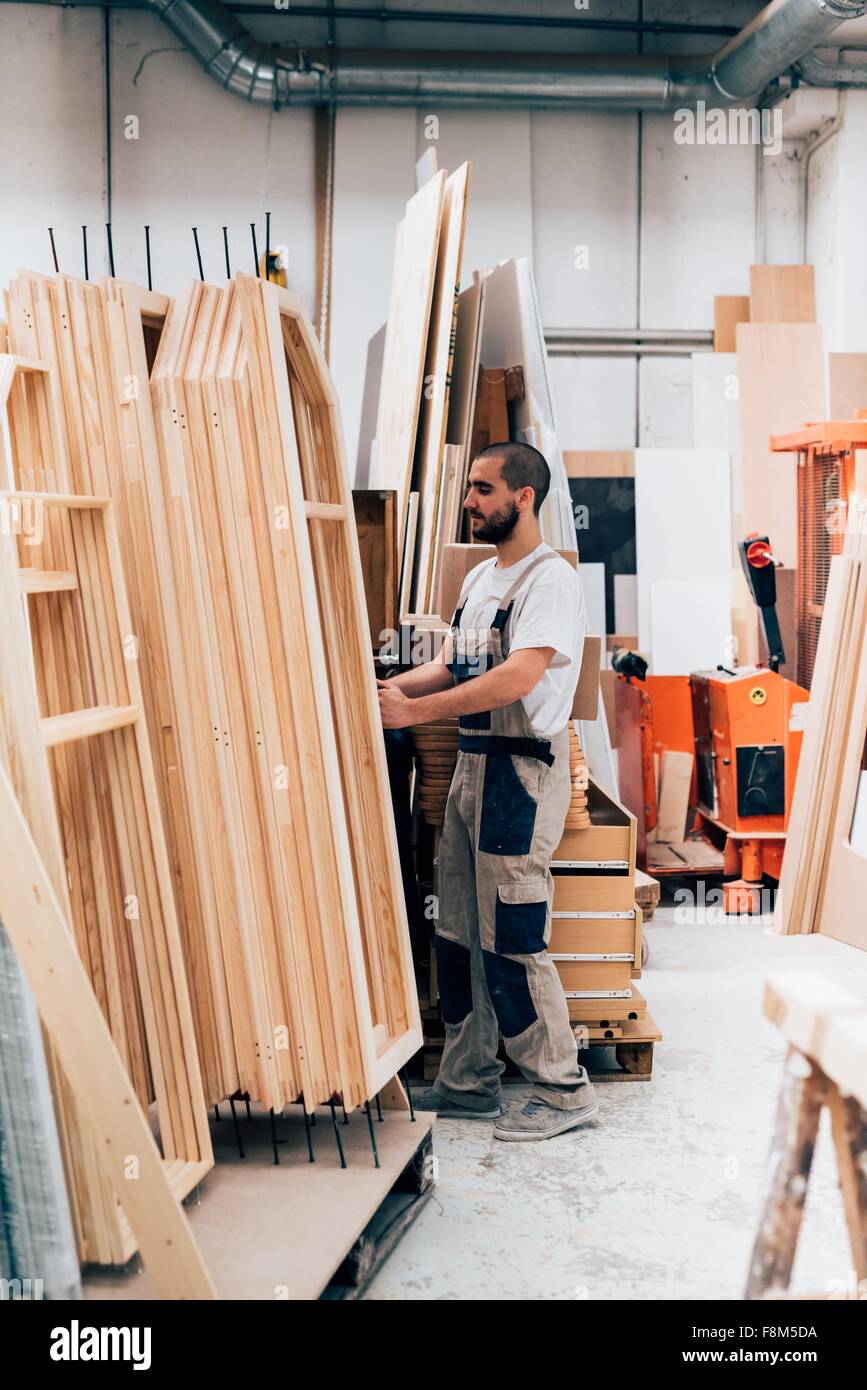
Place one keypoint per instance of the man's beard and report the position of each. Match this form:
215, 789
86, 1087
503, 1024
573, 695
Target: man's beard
498, 527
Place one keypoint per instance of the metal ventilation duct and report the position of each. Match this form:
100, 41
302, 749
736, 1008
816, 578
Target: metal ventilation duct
782, 34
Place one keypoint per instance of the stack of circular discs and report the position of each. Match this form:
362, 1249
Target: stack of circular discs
436, 751
578, 816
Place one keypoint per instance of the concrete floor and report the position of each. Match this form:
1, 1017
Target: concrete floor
660, 1197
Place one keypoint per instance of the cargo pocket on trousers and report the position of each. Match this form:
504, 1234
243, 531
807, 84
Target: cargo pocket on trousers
508, 810
521, 917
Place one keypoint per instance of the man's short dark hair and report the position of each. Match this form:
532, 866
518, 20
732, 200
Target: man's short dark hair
521, 466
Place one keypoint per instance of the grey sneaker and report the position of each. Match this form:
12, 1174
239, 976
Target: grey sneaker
430, 1101
540, 1121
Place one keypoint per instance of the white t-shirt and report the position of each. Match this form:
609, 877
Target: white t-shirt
547, 612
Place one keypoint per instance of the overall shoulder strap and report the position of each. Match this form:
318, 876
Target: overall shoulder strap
474, 577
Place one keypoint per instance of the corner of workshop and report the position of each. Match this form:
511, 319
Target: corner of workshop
433, 686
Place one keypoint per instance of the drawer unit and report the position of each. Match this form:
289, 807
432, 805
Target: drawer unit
578, 891
597, 935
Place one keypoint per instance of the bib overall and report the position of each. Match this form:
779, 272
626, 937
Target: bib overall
504, 818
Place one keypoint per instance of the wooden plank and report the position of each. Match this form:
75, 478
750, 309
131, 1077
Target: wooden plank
596, 463
30, 581
728, 311
433, 417
782, 294
825, 1022
406, 339
86, 723
376, 528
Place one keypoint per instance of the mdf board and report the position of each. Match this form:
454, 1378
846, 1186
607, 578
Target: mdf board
376, 527
406, 342
610, 836
716, 418
592, 575
689, 623
683, 525
457, 560
433, 416
610, 463
369, 405
512, 336
782, 294
465, 373
625, 603
781, 376
728, 311
847, 384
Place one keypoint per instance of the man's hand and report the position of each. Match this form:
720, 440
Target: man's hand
395, 708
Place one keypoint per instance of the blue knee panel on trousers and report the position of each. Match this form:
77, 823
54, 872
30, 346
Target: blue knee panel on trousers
510, 993
453, 979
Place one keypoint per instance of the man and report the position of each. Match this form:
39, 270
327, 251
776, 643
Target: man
508, 670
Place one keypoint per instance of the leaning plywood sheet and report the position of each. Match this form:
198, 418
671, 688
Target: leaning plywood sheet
406, 339
781, 379
433, 416
512, 336
683, 535
782, 294
728, 311
34, 907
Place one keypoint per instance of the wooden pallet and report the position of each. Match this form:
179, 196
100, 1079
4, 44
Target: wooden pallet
633, 1052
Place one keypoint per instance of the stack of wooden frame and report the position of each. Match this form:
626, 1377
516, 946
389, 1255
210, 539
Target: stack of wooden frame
824, 872
86, 658
436, 751
245, 641
310, 918
596, 929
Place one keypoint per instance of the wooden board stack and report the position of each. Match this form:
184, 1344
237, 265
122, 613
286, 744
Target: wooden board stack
436, 751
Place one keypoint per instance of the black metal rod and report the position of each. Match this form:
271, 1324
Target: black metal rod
337, 1134
53, 250
148, 255
198, 252
343, 1108
247, 1103
110, 250
458, 17
84, 245
226, 250
216, 1112
311, 1156
267, 244
378, 1110
274, 1135
238, 1140
257, 271
376, 1162
402, 1075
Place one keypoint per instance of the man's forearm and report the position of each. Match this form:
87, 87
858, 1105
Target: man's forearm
424, 680
491, 691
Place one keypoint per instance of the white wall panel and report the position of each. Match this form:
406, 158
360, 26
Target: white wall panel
665, 396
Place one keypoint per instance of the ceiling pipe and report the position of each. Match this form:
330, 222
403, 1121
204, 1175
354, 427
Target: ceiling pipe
819, 74
781, 34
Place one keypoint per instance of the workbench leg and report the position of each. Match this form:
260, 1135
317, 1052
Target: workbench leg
849, 1128
798, 1111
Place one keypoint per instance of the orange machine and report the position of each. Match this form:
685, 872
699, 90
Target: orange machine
744, 727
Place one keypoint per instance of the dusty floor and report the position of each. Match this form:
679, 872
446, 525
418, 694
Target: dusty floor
660, 1197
